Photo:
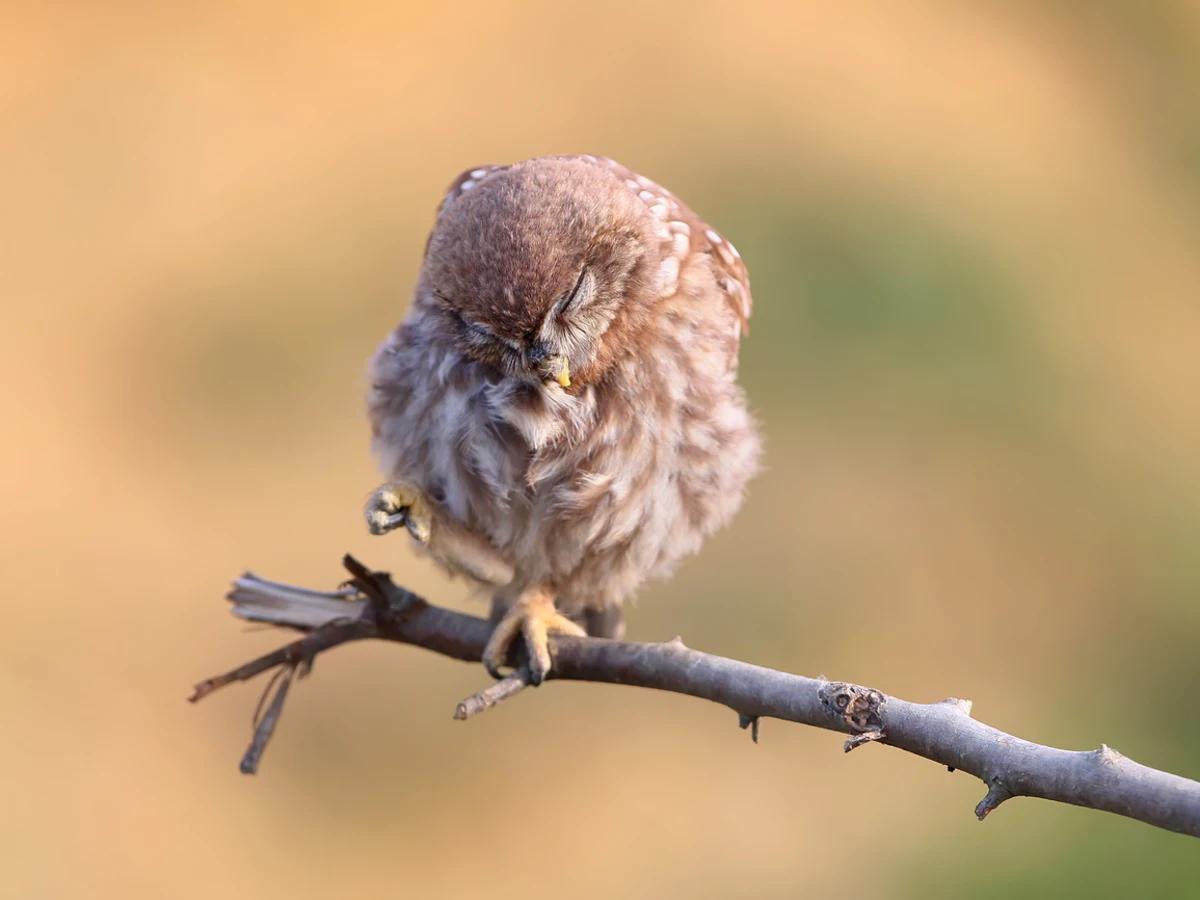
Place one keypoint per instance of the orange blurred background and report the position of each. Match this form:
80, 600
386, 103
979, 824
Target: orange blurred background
972, 231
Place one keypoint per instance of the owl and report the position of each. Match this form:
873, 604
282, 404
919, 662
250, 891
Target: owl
558, 415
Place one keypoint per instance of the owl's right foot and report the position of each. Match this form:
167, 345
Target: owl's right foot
533, 618
396, 504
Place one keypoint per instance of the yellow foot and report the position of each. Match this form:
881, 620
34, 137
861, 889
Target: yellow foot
534, 617
399, 503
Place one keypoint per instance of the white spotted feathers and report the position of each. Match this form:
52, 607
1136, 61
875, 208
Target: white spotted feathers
685, 232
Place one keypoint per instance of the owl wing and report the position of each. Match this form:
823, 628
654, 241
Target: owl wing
688, 233
732, 277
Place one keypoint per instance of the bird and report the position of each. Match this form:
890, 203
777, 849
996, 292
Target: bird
558, 414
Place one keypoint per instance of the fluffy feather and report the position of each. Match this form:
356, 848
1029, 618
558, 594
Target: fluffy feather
593, 488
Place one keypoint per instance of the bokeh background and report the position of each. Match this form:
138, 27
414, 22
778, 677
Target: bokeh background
973, 233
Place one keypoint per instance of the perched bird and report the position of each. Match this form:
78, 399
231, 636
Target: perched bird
559, 415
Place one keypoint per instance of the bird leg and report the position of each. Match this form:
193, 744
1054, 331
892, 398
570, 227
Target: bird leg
399, 504
534, 617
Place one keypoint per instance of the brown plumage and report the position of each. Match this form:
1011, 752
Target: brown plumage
559, 413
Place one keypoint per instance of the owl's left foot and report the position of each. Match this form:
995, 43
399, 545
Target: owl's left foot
534, 617
399, 504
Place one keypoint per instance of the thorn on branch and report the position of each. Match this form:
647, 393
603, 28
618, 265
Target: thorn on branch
997, 793
751, 722
485, 699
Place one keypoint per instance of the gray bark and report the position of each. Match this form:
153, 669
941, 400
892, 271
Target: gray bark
943, 732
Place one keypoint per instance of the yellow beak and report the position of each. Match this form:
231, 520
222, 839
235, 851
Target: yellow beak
561, 371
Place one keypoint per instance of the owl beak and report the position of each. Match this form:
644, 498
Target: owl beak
559, 370
552, 368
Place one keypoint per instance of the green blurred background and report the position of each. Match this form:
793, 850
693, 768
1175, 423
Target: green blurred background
973, 234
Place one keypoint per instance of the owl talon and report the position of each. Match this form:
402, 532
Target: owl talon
380, 522
494, 670
534, 618
397, 504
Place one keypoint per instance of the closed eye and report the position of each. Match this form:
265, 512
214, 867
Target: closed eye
580, 294
483, 334
480, 331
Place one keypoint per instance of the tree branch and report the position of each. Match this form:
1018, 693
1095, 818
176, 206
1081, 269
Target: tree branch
371, 606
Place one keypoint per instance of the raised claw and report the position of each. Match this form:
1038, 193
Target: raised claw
397, 504
381, 522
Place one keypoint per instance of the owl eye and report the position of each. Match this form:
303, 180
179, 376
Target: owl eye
480, 334
580, 294
479, 331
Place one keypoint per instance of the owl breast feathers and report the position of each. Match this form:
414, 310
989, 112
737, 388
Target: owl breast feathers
563, 390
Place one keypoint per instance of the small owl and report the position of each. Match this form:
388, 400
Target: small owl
559, 415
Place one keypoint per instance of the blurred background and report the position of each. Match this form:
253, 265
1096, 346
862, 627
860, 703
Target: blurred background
972, 231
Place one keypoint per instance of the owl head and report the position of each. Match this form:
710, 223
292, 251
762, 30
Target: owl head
543, 271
